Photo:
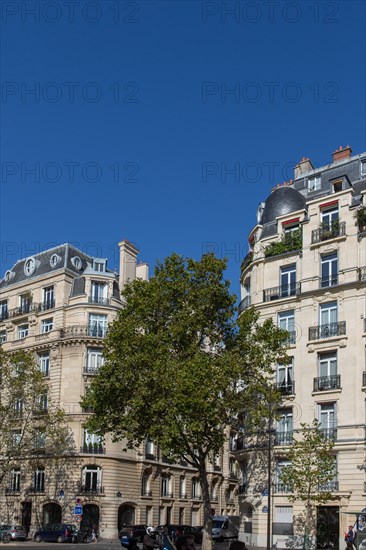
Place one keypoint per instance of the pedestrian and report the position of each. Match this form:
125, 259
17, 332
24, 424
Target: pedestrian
94, 534
350, 539
149, 540
185, 542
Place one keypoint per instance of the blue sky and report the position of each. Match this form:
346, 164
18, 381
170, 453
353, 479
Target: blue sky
141, 110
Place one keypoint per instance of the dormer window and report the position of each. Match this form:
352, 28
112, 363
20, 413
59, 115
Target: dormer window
30, 266
99, 265
363, 167
76, 262
337, 186
314, 183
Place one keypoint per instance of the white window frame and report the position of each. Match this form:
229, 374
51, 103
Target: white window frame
196, 488
288, 280
182, 487
363, 167
3, 336
327, 361
92, 477
149, 448
23, 331
44, 363
315, 183
166, 485
288, 374
39, 480
328, 310
94, 360
48, 296
331, 261
98, 324
47, 325
331, 213
15, 480
327, 412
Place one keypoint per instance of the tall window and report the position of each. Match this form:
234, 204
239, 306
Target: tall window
94, 360
363, 167
314, 183
91, 479
150, 449
166, 486
18, 406
145, 485
15, 480
38, 480
329, 267
327, 418
329, 217
285, 378
44, 363
3, 310
92, 443
40, 440
24, 303
327, 364
2, 336
286, 321
99, 293
182, 487
288, 280
284, 427
196, 488
47, 325
16, 437
328, 314
279, 485
48, 298
23, 330
97, 325
232, 467
43, 403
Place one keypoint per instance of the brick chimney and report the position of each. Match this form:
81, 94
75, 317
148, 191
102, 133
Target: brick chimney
341, 153
305, 165
127, 262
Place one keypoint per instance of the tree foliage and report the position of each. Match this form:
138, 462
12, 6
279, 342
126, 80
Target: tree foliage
179, 369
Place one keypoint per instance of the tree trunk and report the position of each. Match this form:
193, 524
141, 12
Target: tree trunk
207, 516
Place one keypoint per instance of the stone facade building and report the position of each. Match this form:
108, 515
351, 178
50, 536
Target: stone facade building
306, 270
58, 305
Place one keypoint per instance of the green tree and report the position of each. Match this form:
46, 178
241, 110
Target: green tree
33, 429
311, 471
179, 369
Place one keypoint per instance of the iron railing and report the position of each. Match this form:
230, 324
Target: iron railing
286, 388
326, 232
330, 280
329, 486
47, 304
93, 449
244, 304
98, 300
284, 438
329, 433
284, 291
183, 495
12, 491
243, 489
75, 331
166, 494
323, 383
282, 488
90, 490
146, 493
90, 370
23, 309
327, 330
247, 260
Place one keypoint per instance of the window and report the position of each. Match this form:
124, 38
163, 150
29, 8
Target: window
25, 301
30, 266
2, 336
314, 183
280, 487
43, 403
288, 280
232, 467
337, 186
44, 363
182, 487
91, 479
329, 217
99, 292
285, 378
23, 330
286, 321
40, 440
145, 485
328, 315
230, 494
331, 485
284, 427
38, 480
55, 259
149, 449
97, 325
363, 167
288, 229
217, 464
98, 264
283, 520
92, 443
329, 267
48, 298
18, 406
166, 486
15, 480
3, 310
95, 360
327, 364
16, 437
327, 419
47, 325
232, 441
196, 489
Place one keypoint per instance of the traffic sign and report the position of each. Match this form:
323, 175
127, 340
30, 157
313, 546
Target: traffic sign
265, 509
78, 510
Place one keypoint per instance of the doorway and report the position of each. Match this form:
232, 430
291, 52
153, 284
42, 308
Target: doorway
328, 527
26, 515
126, 516
90, 517
52, 513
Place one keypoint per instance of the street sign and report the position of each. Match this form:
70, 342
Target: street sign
265, 492
78, 510
77, 518
265, 509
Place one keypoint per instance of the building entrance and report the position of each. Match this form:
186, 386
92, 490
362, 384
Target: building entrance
328, 527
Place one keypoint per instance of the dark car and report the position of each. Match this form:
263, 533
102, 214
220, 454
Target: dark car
56, 532
135, 531
176, 530
127, 539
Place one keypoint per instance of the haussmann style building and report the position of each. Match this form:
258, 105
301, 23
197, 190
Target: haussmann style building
306, 270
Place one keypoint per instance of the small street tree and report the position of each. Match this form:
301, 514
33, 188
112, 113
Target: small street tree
33, 430
311, 471
180, 370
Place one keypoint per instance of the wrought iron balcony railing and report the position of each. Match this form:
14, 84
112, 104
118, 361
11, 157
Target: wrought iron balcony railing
244, 304
98, 300
150, 456
247, 260
4, 314
326, 232
331, 280
76, 331
183, 495
90, 490
329, 486
93, 449
233, 474
196, 496
12, 490
146, 493
282, 488
90, 370
46, 305
284, 438
329, 433
323, 383
166, 494
283, 291
24, 309
327, 330
286, 388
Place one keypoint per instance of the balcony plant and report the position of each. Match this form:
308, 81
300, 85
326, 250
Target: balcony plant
291, 241
361, 219
247, 260
329, 230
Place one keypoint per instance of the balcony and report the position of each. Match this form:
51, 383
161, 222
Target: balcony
36, 490
229, 500
326, 232
329, 486
98, 300
217, 468
24, 309
331, 280
244, 304
281, 488
77, 331
291, 242
90, 370
4, 314
166, 494
12, 491
93, 449
89, 490
324, 383
247, 260
196, 496
239, 444
150, 456
362, 274
183, 496
286, 388
233, 474
183, 463
327, 330
278, 292
284, 438
329, 433
146, 493
45, 306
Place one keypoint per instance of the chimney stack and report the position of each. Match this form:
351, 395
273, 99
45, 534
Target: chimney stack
304, 166
127, 262
341, 153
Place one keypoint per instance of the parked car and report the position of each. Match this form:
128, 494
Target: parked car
176, 530
127, 539
5, 535
136, 531
17, 532
56, 532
